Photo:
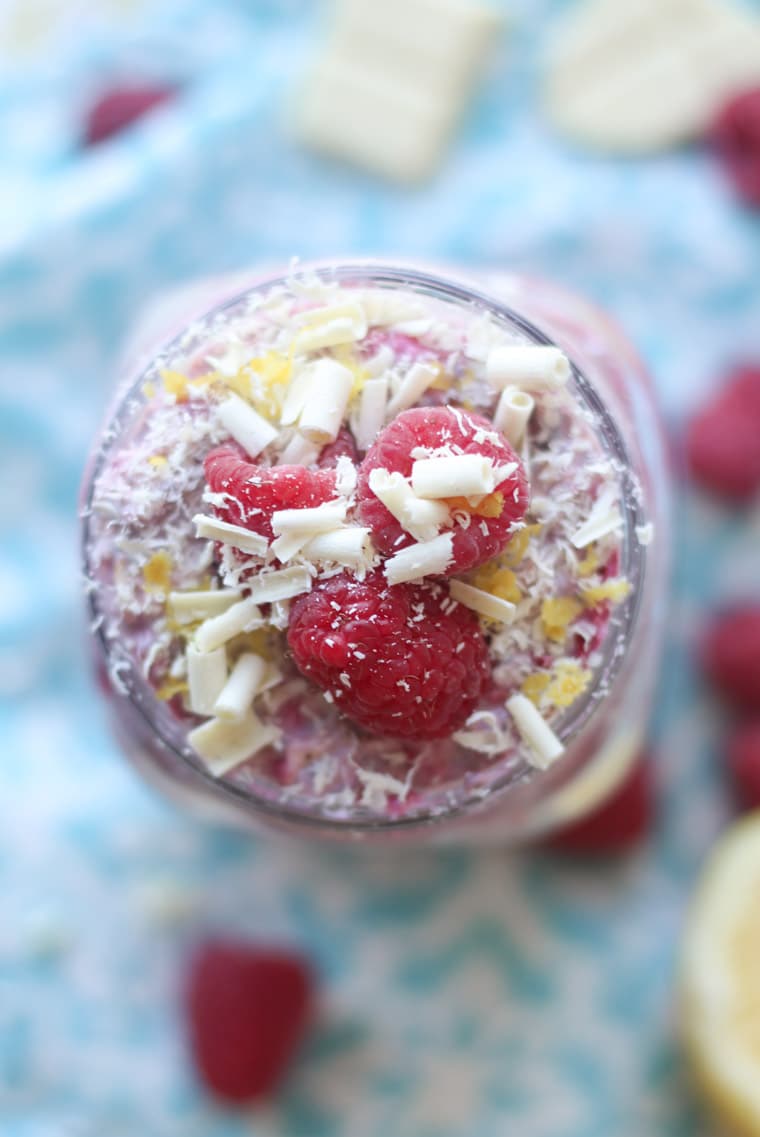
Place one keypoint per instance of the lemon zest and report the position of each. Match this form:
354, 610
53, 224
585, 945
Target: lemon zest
518, 545
499, 581
171, 687
149, 390
570, 681
175, 383
158, 460
157, 573
556, 613
614, 590
589, 564
534, 685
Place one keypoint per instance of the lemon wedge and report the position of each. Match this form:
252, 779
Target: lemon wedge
720, 978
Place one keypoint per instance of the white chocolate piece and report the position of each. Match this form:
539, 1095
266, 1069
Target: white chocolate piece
597, 526
421, 519
332, 325
245, 425
453, 475
380, 362
371, 417
414, 384
243, 684
295, 396
326, 401
206, 676
215, 530
351, 547
424, 558
529, 366
299, 451
513, 414
317, 519
280, 584
543, 745
484, 603
199, 604
241, 617
224, 744
287, 546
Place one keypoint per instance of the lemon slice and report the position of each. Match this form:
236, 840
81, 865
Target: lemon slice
720, 978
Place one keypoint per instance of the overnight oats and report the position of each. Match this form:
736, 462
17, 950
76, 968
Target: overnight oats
365, 552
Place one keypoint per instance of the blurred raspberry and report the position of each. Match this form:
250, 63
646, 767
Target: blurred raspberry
730, 654
735, 136
394, 659
247, 1010
723, 438
619, 823
119, 107
744, 763
343, 447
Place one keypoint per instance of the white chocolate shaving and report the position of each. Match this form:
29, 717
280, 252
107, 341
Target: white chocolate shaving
243, 684
241, 617
380, 361
214, 530
332, 325
543, 745
295, 396
184, 607
326, 401
318, 519
484, 603
223, 744
534, 367
351, 547
246, 425
280, 584
206, 676
299, 451
414, 384
598, 525
424, 558
456, 475
513, 413
371, 416
421, 519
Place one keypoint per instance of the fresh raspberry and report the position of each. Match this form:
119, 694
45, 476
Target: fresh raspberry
617, 824
730, 654
433, 427
722, 438
118, 108
247, 1010
394, 659
343, 447
744, 763
735, 135
256, 492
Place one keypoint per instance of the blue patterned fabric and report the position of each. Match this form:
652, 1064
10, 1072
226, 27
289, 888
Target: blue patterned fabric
466, 994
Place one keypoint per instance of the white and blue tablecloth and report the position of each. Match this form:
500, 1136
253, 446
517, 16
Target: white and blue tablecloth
465, 994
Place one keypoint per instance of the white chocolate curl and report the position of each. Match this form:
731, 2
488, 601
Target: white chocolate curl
214, 530
206, 676
332, 325
351, 547
424, 558
279, 585
455, 475
243, 684
317, 519
533, 367
326, 401
224, 744
421, 519
543, 744
199, 604
513, 414
241, 617
371, 416
245, 425
484, 603
416, 381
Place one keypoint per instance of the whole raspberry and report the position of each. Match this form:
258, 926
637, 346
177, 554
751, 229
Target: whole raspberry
402, 661
119, 107
253, 493
431, 427
722, 438
247, 1009
618, 823
744, 763
735, 136
730, 654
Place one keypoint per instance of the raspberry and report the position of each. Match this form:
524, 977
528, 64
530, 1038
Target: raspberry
735, 136
343, 447
744, 763
433, 427
617, 824
247, 1010
721, 440
730, 654
256, 492
121, 106
392, 658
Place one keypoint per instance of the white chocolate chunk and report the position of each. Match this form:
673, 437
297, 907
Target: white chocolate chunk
243, 684
245, 425
241, 617
530, 366
199, 604
224, 744
350, 546
326, 401
513, 414
381, 361
421, 519
424, 558
371, 417
287, 546
280, 584
318, 519
455, 475
299, 451
598, 525
206, 676
332, 325
295, 396
484, 603
214, 530
414, 384
543, 744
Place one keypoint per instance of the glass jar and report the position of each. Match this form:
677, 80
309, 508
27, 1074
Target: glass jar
602, 732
